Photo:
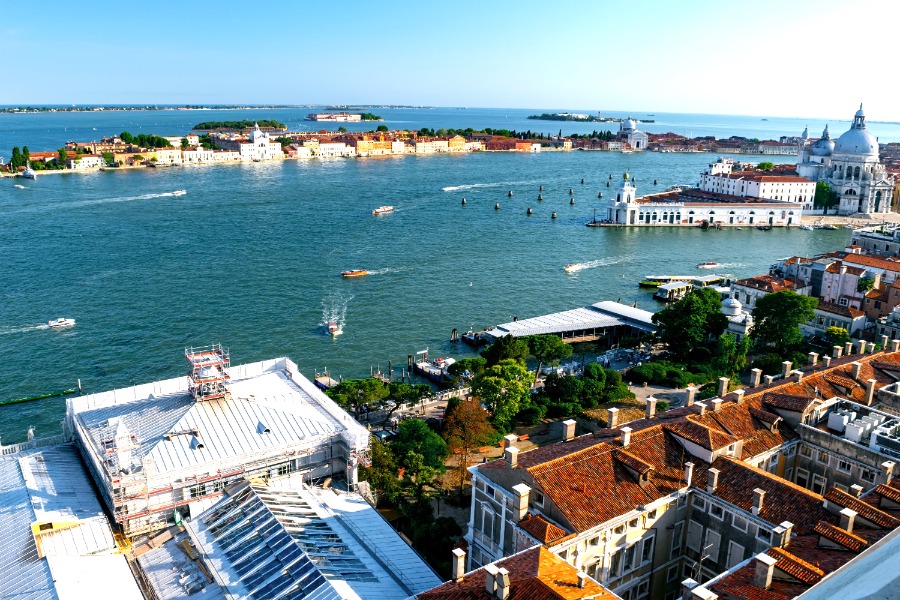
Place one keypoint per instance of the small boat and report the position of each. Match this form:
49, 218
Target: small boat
765, 228
708, 265
334, 328
21, 187
179, 192
61, 322
383, 210
829, 227
354, 273
436, 370
573, 268
849, 226
806, 227
29, 173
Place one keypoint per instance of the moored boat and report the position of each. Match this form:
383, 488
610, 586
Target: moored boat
829, 227
383, 210
354, 273
179, 192
436, 370
29, 173
61, 322
806, 227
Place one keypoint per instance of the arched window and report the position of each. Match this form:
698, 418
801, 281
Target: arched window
856, 173
849, 172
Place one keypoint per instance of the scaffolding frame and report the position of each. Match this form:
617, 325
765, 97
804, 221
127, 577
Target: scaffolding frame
208, 375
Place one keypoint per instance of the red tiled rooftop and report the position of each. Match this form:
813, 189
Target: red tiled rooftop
795, 567
832, 532
542, 530
862, 509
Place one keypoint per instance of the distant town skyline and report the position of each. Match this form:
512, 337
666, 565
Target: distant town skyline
800, 59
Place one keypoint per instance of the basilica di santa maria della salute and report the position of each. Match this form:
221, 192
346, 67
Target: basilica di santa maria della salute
851, 167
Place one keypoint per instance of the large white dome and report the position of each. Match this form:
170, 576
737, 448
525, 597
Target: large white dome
857, 141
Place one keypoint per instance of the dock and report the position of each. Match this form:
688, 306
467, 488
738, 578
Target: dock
324, 381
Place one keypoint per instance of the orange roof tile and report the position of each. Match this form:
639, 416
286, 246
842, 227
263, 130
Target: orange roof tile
889, 492
840, 536
863, 509
794, 566
542, 530
704, 436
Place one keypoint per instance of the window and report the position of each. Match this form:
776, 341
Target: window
818, 484
672, 573
629, 557
218, 486
843, 465
764, 535
868, 475
487, 519
676, 540
822, 457
594, 541
619, 529
652, 514
711, 547
717, 511
197, 490
284, 469
615, 562
802, 477
739, 523
695, 532
632, 523
699, 504
647, 550
805, 451
642, 589
538, 499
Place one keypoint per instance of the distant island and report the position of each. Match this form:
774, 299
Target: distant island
343, 117
239, 125
582, 118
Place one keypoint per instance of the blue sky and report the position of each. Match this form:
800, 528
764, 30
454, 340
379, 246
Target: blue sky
799, 58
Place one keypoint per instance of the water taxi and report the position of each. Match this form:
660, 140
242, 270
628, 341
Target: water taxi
436, 370
676, 290
354, 273
383, 210
61, 322
334, 328
573, 268
709, 265
179, 192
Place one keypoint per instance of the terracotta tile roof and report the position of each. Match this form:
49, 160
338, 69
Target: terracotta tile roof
844, 382
535, 574
542, 530
863, 509
835, 267
740, 585
788, 402
704, 436
889, 492
633, 462
872, 261
784, 501
795, 567
765, 416
885, 366
768, 283
840, 536
836, 309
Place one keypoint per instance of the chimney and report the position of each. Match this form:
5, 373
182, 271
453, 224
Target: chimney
884, 342
490, 579
855, 366
521, 493
765, 567
702, 407
712, 481
836, 351
612, 418
691, 393
870, 347
687, 589
895, 345
870, 392
509, 440
722, 388
788, 528
688, 472
512, 456
827, 361
717, 404
755, 377
651, 407
568, 430
786, 368
626, 436
582, 580
502, 584
856, 490
758, 497
769, 379
813, 359
738, 396
888, 468
848, 348
847, 518
861, 346
459, 565
799, 374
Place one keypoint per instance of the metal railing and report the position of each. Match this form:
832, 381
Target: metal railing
35, 443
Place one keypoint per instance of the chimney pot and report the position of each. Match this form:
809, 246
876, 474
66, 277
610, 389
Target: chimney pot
738, 396
813, 359
827, 361
502, 584
612, 419
650, 407
712, 480
701, 406
861, 346
888, 468
687, 587
848, 348
769, 379
786, 368
691, 393
509, 440
895, 345
870, 391
522, 493
626, 436
582, 580
459, 565
765, 568
856, 490
722, 388
568, 430
758, 496
688, 472
490, 579
788, 527
855, 366
716, 404
884, 343
870, 347
512, 456
755, 377
799, 375
837, 351
847, 518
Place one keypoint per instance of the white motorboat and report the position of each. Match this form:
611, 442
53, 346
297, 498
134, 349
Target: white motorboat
806, 227
334, 328
708, 265
383, 210
61, 322
29, 173
179, 192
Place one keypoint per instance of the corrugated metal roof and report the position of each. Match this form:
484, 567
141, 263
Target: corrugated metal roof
596, 316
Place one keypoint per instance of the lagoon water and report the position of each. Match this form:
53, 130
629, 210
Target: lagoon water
251, 257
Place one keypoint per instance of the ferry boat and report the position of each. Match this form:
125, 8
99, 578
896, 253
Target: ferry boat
61, 322
334, 328
436, 370
709, 265
676, 290
354, 273
383, 210
29, 173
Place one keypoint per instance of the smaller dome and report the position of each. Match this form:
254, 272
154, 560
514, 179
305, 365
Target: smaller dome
627, 176
731, 307
823, 147
860, 112
629, 124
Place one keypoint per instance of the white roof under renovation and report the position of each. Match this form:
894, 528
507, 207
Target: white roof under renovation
284, 541
55, 536
595, 316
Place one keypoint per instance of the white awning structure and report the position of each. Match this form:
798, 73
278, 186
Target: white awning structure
594, 318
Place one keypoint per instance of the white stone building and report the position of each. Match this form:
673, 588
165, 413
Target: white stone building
258, 146
851, 167
720, 178
84, 162
628, 132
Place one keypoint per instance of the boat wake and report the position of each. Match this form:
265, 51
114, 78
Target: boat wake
592, 264
9, 330
732, 265
473, 186
334, 310
101, 201
386, 270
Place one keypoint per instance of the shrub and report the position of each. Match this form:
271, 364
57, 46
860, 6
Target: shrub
563, 409
531, 414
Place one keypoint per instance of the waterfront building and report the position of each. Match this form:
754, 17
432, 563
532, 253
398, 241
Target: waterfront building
83, 162
167, 156
800, 469
457, 143
330, 149
773, 147
631, 135
528, 147
340, 117
852, 167
885, 242
255, 147
693, 207
172, 446
828, 314
720, 178
192, 139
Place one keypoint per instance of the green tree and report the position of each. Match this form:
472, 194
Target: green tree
687, 325
109, 159
381, 128
26, 154
466, 428
836, 336
185, 144
126, 137
503, 389
547, 349
342, 129
506, 347
594, 371
62, 156
777, 318
765, 166
17, 159
353, 393
474, 365
731, 355
822, 199
865, 284
418, 447
383, 472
